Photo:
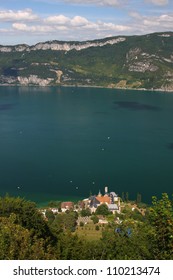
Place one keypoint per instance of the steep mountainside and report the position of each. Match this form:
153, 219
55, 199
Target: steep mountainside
118, 62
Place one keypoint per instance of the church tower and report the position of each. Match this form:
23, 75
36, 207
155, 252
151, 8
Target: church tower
99, 194
106, 190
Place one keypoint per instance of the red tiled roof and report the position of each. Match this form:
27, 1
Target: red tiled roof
103, 199
67, 204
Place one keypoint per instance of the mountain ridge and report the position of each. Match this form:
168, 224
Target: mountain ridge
139, 62
61, 45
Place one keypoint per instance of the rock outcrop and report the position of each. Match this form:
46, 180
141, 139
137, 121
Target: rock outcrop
61, 46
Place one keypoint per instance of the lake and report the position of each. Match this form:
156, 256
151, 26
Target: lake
65, 143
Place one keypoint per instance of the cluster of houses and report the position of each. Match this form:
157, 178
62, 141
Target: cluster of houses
111, 199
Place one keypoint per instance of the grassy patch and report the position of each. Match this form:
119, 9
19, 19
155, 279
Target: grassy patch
89, 232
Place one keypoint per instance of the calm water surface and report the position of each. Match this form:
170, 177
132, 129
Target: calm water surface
65, 143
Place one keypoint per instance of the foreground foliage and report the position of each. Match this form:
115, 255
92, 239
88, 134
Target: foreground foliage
25, 234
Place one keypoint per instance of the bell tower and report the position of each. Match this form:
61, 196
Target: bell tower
106, 190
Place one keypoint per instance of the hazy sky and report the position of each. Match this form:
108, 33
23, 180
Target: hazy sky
32, 21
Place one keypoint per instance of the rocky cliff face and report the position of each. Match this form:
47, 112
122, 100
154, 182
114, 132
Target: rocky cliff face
33, 80
58, 46
140, 62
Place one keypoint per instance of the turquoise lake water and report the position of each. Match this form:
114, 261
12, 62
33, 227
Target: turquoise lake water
65, 143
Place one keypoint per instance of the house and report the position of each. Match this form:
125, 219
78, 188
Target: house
67, 206
54, 210
110, 199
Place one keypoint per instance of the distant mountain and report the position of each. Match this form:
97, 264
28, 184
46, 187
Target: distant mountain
118, 62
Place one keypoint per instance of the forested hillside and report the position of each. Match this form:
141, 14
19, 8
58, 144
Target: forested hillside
144, 61
26, 234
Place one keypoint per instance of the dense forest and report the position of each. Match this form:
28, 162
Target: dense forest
25, 234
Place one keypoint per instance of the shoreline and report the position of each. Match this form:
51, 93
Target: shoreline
89, 86
119, 88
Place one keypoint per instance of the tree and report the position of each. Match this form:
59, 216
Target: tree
64, 222
138, 198
127, 197
27, 215
127, 241
102, 210
97, 227
85, 212
95, 219
18, 243
70, 247
161, 217
50, 216
122, 196
94, 250
54, 204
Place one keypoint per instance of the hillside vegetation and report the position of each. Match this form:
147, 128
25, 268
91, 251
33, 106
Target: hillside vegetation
119, 62
26, 234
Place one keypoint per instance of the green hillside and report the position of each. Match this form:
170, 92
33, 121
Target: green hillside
130, 62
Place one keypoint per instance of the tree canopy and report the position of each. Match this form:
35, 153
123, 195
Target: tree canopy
161, 218
102, 210
27, 215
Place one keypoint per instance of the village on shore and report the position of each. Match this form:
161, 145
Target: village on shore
109, 202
